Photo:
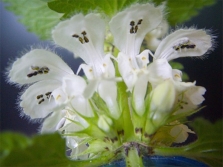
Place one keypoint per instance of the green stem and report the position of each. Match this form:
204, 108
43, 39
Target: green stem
132, 157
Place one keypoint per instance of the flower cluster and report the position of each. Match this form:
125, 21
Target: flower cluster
125, 98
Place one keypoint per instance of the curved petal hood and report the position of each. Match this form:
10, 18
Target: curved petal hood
184, 43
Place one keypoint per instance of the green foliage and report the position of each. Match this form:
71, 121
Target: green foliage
41, 150
39, 19
35, 15
10, 141
207, 148
69, 7
182, 10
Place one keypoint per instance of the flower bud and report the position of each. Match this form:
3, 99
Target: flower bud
162, 101
104, 123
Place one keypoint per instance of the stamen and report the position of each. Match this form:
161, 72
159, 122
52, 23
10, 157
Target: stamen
48, 95
132, 23
35, 68
134, 28
139, 22
84, 33
35, 73
131, 30
38, 70
39, 96
86, 39
183, 45
83, 39
42, 100
75, 35
29, 75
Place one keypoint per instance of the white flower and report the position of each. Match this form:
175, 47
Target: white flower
180, 133
181, 43
84, 36
54, 86
129, 28
162, 102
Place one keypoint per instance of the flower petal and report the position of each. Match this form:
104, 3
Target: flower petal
177, 75
73, 85
184, 43
109, 69
36, 101
126, 70
159, 70
128, 38
139, 93
143, 59
81, 105
180, 133
83, 35
53, 122
108, 92
195, 94
38, 65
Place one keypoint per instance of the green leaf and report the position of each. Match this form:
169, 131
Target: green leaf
10, 141
182, 10
207, 148
69, 7
35, 15
39, 19
178, 11
43, 150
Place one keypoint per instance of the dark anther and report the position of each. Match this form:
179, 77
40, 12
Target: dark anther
81, 40
136, 28
29, 75
75, 35
35, 67
39, 96
48, 93
184, 46
139, 22
42, 100
84, 33
35, 73
131, 30
86, 39
132, 23
191, 46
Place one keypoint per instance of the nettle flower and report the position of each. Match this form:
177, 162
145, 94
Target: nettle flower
169, 95
84, 36
53, 85
129, 28
105, 115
